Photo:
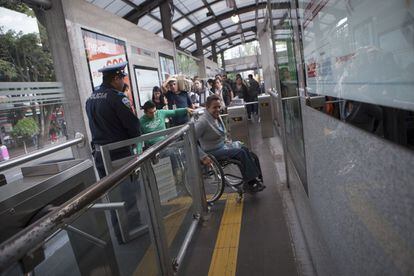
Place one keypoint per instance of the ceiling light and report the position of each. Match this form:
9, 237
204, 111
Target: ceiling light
235, 18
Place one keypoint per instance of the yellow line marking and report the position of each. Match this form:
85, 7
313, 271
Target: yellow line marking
224, 260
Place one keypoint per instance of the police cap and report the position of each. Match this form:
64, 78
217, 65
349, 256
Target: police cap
116, 69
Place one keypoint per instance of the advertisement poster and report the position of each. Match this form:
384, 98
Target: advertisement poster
101, 51
167, 66
146, 78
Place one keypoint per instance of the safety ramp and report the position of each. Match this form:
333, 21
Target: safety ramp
251, 237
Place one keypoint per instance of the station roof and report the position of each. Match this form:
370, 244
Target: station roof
211, 17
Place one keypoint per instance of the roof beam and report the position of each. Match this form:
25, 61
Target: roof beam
141, 10
214, 18
235, 45
261, 5
250, 29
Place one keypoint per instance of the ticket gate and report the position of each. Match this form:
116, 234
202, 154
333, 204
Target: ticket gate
237, 124
266, 115
42, 188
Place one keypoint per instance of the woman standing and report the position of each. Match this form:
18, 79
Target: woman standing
158, 98
240, 88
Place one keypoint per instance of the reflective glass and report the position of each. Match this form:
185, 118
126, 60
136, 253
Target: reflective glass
219, 8
115, 6
199, 16
126, 9
212, 28
32, 102
247, 16
182, 24
175, 194
359, 64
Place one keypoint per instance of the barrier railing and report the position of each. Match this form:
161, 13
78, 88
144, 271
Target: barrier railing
172, 219
79, 138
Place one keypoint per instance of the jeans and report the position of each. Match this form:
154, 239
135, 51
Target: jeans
249, 170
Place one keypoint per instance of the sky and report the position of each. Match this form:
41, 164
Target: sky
11, 20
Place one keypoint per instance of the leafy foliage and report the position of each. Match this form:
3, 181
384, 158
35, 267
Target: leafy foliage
187, 66
25, 127
17, 6
22, 58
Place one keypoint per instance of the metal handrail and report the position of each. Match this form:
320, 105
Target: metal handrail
31, 237
79, 138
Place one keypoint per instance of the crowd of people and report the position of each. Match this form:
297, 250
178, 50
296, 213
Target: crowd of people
111, 118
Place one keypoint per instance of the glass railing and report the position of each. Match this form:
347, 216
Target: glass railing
138, 220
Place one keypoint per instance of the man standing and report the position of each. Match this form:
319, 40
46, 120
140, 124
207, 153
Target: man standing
253, 92
178, 99
110, 115
111, 119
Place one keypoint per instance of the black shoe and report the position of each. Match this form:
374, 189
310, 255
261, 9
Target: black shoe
254, 187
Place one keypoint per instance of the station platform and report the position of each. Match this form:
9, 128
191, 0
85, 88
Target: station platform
247, 238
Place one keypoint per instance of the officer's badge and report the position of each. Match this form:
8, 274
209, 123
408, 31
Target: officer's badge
126, 102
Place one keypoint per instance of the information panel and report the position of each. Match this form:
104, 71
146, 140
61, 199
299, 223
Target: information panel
146, 78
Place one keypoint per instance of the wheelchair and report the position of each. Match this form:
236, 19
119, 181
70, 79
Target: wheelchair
225, 172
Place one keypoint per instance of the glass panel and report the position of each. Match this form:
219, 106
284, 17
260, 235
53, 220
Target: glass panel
226, 22
156, 12
167, 66
219, 8
366, 52
185, 43
32, 114
122, 12
102, 242
290, 97
213, 28
247, 16
182, 24
149, 23
115, 6
200, 15
360, 65
175, 194
186, 65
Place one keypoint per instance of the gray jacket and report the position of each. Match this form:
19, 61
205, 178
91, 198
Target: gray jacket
208, 133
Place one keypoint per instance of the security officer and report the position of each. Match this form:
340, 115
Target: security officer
111, 118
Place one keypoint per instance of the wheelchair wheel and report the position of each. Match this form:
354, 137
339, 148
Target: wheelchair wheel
213, 179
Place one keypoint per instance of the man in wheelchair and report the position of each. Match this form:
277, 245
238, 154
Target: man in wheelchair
211, 134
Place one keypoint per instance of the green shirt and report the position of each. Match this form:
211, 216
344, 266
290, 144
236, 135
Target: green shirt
157, 123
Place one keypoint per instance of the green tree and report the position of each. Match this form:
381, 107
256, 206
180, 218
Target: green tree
17, 5
27, 58
26, 128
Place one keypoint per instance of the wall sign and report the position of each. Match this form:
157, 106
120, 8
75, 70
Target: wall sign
101, 51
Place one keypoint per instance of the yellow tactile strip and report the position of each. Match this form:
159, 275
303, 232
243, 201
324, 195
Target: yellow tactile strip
224, 260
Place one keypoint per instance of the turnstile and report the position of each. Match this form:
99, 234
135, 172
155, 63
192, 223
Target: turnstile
266, 115
44, 187
238, 125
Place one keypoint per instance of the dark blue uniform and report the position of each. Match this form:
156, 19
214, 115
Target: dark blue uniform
110, 120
